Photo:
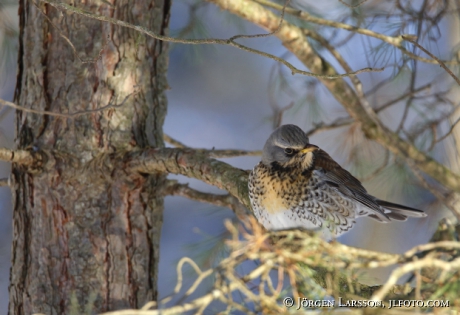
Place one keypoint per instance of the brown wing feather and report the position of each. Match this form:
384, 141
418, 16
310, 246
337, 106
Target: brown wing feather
346, 183
336, 172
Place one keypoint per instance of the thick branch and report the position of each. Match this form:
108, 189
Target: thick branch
188, 162
194, 164
23, 157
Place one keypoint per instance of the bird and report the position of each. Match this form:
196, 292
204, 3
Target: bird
297, 185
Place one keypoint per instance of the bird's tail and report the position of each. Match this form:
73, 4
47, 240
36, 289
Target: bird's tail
400, 212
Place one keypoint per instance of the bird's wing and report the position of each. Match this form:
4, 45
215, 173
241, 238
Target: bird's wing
334, 175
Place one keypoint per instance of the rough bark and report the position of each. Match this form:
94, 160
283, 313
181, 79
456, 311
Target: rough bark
86, 241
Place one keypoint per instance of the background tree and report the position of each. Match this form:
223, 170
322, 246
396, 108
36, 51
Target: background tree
112, 162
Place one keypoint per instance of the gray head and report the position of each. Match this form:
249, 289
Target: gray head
288, 144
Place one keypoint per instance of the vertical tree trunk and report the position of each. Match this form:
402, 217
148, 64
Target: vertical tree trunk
86, 236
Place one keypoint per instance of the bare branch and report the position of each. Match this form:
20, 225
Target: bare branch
229, 42
430, 246
400, 98
193, 164
217, 154
71, 115
352, 6
228, 153
99, 56
354, 79
174, 142
394, 41
440, 195
448, 132
339, 122
379, 169
441, 63
176, 189
279, 112
415, 265
23, 157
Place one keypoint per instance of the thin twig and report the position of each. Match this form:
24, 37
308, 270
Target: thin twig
174, 188
339, 122
354, 79
174, 142
220, 154
352, 6
400, 98
416, 265
379, 169
99, 56
278, 113
217, 154
441, 63
71, 115
440, 195
449, 132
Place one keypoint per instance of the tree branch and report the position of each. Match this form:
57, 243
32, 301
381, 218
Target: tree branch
174, 142
412, 39
192, 163
110, 105
23, 157
395, 41
229, 42
174, 188
400, 98
218, 154
427, 262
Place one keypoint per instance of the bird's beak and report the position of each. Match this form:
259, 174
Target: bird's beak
309, 148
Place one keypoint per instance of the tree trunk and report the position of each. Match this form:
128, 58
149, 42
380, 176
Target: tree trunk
86, 236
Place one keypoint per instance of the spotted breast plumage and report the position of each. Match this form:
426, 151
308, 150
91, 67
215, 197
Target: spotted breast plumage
298, 185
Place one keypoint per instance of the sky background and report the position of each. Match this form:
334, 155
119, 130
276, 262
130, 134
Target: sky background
220, 97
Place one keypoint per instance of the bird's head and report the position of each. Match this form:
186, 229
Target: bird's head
288, 147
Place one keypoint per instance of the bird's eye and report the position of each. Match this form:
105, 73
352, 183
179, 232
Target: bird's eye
289, 151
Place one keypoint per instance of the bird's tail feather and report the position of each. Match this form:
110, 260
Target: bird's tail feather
400, 211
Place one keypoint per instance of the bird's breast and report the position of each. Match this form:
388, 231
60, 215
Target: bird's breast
276, 190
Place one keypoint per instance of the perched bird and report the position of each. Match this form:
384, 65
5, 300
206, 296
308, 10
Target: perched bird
298, 185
